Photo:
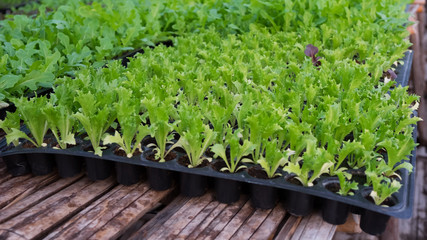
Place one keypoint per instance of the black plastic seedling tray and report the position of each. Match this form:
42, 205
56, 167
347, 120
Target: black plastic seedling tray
261, 188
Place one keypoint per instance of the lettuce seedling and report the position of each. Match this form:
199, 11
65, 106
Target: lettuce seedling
195, 135
132, 129
274, 158
31, 112
195, 143
382, 187
346, 186
159, 113
316, 161
61, 122
237, 150
398, 149
348, 151
96, 115
10, 124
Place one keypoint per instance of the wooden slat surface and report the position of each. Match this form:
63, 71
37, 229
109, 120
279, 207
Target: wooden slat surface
48, 207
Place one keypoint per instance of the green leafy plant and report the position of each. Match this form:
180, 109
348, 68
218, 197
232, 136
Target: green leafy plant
346, 186
61, 122
382, 187
31, 112
9, 125
274, 158
316, 161
195, 136
132, 129
96, 115
159, 113
237, 150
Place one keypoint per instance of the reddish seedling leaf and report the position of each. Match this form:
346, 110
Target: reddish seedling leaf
311, 51
391, 74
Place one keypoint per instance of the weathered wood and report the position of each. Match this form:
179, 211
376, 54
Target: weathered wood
236, 222
392, 230
182, 217
85, 223
418, 74
270, 224
313, 227
289, 228
208, 221
131, 214
36, 197
414, 228
45, 216
220, 221
5, 177
199, 222
29, 187
155, 223
352, 225
15, 186
251, 224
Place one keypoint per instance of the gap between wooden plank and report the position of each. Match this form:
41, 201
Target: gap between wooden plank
221, 221
289, 228
236, 222
37, 197
83, 224
153, 225
183, 216
43, 217
270, 224
127, 217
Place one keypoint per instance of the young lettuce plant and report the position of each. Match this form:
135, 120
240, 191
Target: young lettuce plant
195, 136
11, 122
382, 187
237, 151
132, 129
31, 112
61, 123
346, 186
398, 149
96, 115
274, 158
316, 161
159, 113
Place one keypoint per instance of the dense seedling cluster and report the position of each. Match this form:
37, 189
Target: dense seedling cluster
302, 87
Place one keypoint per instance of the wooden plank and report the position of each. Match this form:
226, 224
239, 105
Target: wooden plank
43, 217
15, 186
182, 217
418, 74
114, 228
414, 228
326, 231
200, 221
251, 224
36, 197
351, 225
208, 221
270, 225
31, 186
93, 217
5, 177
313, 227
237, 221
301, 228
289, 228
218, 224
155, 223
